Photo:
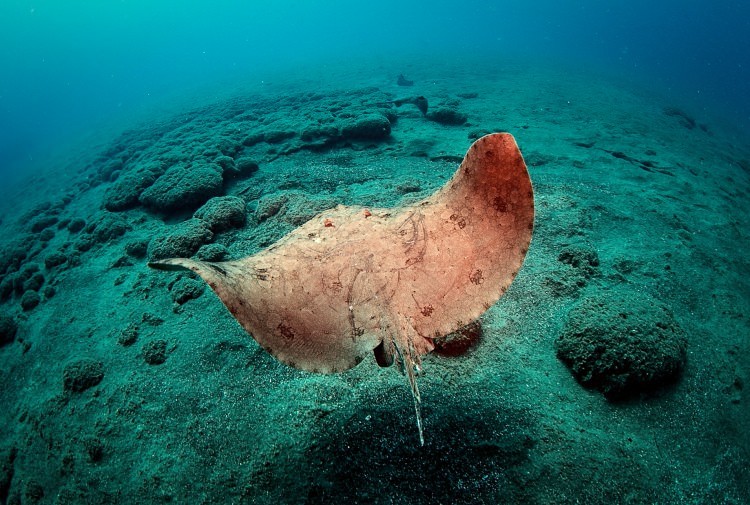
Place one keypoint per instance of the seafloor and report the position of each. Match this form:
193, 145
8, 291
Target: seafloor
121, 384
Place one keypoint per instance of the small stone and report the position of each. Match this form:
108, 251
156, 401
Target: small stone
277, 136
137, 248
33, 491
29, 300
222, 213
42, 223
155, 352
187, 289
460, 341
8, 329
82, 374
151, 319
76, 225
181, 241
46, 235
34, 283
212, 252
107, 227
447, 116
367, 127
245, 167
55, 259
128, 336
94, 448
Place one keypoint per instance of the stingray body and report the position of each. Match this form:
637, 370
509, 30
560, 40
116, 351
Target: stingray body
354, 280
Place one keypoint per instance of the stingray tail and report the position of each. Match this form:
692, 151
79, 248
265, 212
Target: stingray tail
411, 365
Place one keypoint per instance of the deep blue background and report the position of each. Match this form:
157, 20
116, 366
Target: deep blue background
67, 66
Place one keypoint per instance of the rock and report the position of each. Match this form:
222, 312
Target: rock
6, 287
29, 300
106, 227
460, 341
34, 283
76, 225
8, 454
278, 136
243, 167
108, 168
212, 252
125, 192
222, 213
580, 263
82, 374
151, 319
128, 336
11, 258
55, 259
270, 205
137, 248
371, 126
46, 235
622, 343
183, 188
43, 222
408, 187
122, 262
84, 243
33, 492
8, 329
155, 352
584, 260
187, 289
181, 241
252, 139
94, 448
447, 116
226, 163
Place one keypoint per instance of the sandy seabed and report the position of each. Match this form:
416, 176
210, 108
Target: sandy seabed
126, 385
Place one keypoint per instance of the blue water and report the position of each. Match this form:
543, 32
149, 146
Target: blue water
66, 67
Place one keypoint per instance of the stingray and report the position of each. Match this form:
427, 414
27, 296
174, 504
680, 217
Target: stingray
353, 281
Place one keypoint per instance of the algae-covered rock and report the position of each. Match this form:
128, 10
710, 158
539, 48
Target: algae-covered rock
187, 289
180, 241
8, 329
124, 193
371, 126
222, 213
29, 300
82, 374
106, 227
212, 252
622, 343
447, 116
183, 188
155, 352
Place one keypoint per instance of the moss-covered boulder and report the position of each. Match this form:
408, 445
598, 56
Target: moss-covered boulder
183, 187
622, 343
180, 241
222, 213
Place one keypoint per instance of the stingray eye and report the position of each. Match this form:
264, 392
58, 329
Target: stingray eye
328, 223
367, 213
